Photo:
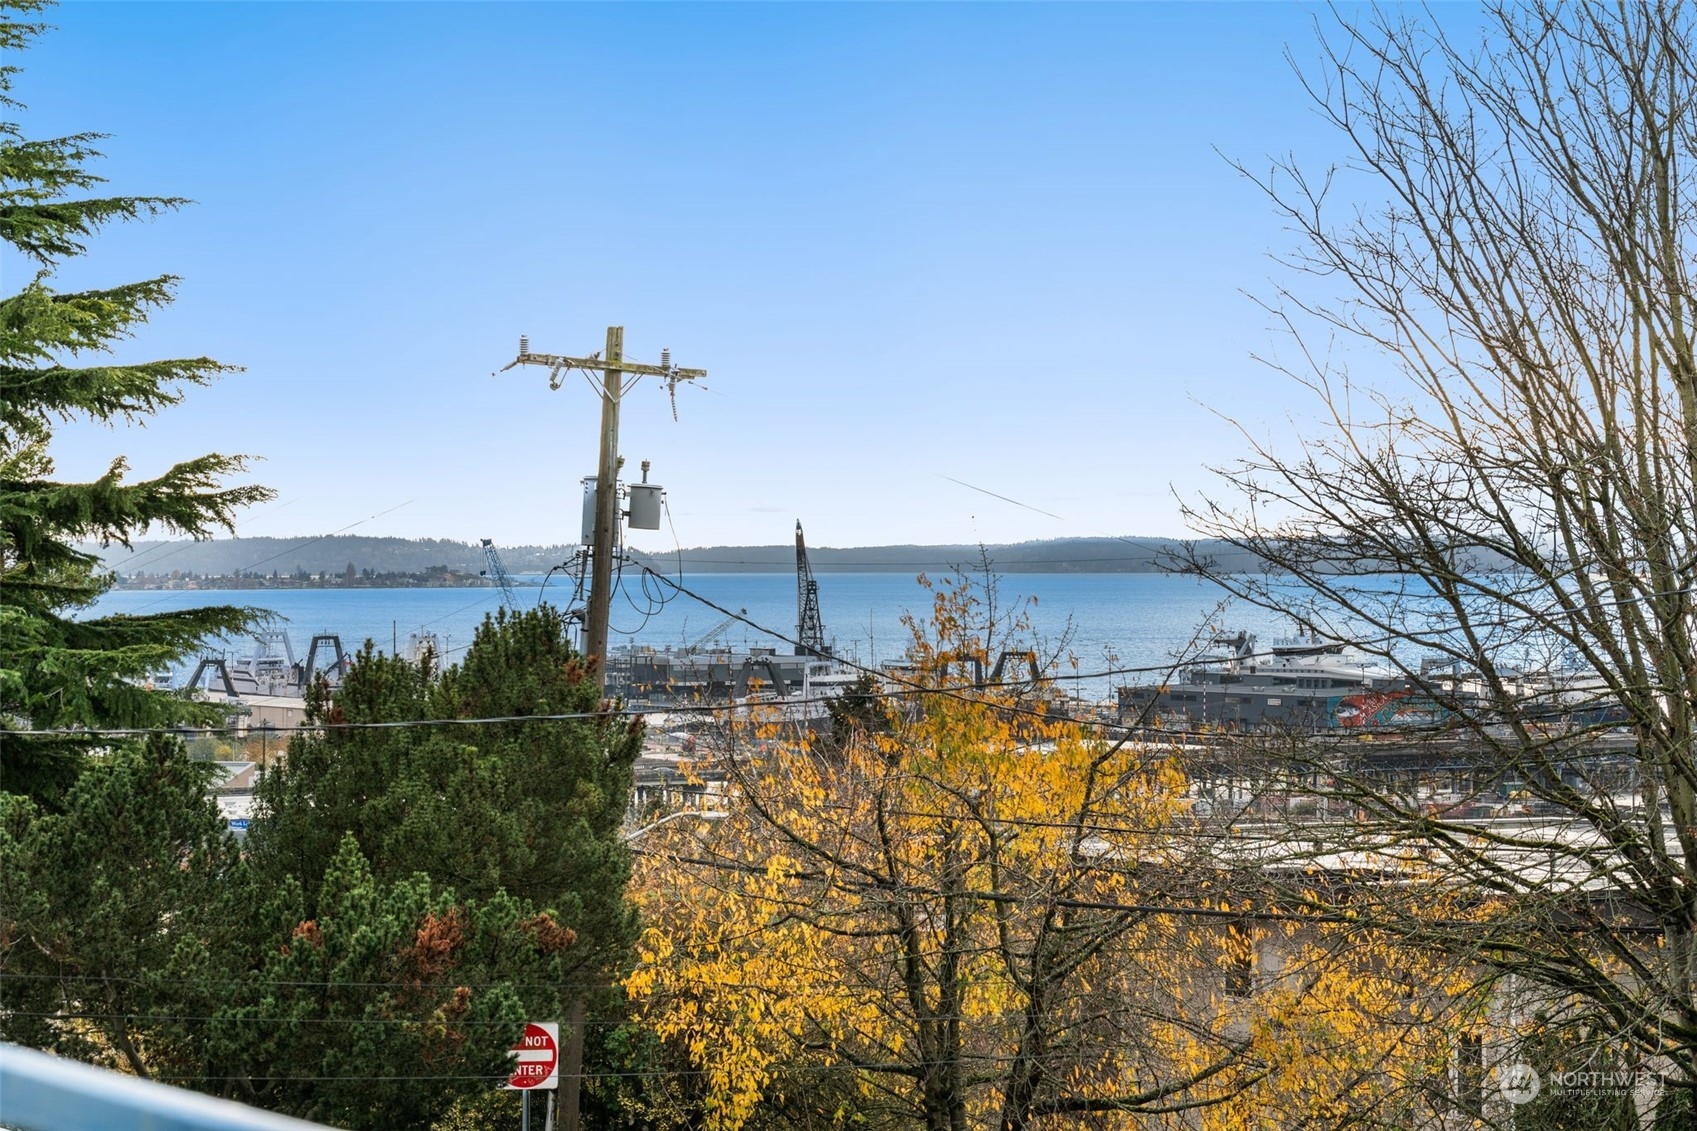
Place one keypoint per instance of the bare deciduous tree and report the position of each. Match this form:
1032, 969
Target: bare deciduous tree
1501, 497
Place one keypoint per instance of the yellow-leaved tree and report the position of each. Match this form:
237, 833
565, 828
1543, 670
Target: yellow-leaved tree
963, 911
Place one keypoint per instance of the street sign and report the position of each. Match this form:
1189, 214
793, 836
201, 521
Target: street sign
538, 1053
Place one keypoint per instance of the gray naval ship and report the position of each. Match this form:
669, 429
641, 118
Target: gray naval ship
1308, 683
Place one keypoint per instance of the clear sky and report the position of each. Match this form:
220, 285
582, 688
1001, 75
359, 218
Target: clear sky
911, 244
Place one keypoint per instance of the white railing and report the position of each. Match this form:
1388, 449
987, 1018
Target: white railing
49, 1093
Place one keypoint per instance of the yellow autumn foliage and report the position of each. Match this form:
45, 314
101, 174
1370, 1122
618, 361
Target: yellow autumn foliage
979, 915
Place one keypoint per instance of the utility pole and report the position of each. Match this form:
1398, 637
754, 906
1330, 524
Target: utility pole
614, 370
606, 504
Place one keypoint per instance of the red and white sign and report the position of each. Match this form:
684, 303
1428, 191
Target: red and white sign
539, 1057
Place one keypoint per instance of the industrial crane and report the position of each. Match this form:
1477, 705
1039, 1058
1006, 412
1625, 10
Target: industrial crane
712, 634
498, 574
809, 630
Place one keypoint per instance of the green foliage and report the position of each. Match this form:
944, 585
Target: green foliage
532, 808
408, 901
58, 672
858, 710
413, 894
388, 1003
1553, 1049
1676, 1111
490, 1111
515, 823
114, 932
643, 1083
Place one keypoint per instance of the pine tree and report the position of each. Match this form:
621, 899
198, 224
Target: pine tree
532, 808
523, 813
57, 672
122, 917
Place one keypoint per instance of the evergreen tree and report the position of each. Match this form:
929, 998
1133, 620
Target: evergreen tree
120, 917
524, 812
482, 881
57, 672
132, 933
385, 1005
531, 807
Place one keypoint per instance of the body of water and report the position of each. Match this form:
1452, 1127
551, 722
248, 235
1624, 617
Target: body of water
1096, 622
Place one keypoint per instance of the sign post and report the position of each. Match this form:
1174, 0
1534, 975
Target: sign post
538, 1067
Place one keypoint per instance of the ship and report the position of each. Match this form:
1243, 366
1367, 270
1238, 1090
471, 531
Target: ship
271, 669
1306, 683
807, 704
703, 671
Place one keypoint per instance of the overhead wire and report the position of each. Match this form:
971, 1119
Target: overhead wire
828, 559
910, 685
619, 559
255, 982
1058, 677
243, 1019
656, 598
906, 687
904, 1067
677, 543
570, 564
178, 545
300, 546
491, 592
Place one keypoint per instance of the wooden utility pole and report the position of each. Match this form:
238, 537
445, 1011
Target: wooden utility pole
606, 505
614, 369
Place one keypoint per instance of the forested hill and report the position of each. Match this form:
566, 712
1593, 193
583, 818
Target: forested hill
1056, 555
335, 554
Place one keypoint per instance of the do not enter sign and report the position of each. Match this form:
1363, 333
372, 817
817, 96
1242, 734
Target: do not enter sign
538, 1053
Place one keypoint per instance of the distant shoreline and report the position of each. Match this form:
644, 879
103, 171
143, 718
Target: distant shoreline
364, 562
189, 583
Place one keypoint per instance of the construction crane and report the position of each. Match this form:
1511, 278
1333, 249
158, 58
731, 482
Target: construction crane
809, 631
712, 634
498, 574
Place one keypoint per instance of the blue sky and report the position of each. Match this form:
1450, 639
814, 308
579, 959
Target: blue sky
912, 244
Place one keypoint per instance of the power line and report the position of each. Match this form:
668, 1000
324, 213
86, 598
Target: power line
1332, 918
826, 564
245, 1019
178, 545
1004, 498
245, 982
910, 684
907, 688
303, 545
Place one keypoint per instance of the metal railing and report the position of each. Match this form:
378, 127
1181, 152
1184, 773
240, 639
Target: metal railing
49, 1093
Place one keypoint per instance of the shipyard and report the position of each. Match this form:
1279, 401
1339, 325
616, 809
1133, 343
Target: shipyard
1362, 714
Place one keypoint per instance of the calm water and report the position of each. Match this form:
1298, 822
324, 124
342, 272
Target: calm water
1104, 621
